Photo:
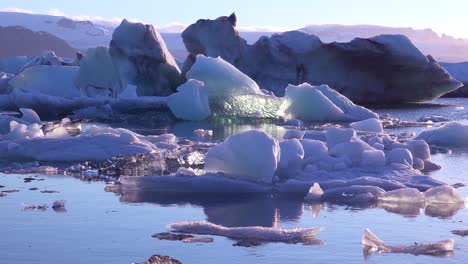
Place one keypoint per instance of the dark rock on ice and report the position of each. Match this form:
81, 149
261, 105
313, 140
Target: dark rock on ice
158, 259
171, 236
462, 233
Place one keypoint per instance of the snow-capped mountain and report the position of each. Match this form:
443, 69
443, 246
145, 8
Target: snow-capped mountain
16, 41
79, 34
442, 48
85, 34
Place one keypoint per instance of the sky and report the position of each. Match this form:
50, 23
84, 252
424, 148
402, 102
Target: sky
449, 16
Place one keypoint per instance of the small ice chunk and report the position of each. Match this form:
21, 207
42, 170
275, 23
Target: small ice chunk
418, 164
371, 243
252, 155
58, 204
314, 149
336, 135
203, 133
185, 171
291, 156
450, 134
320, 103
293, 133
443, 194
30, 116
315, 193
403, 195
401, 156
368, 125
190, 102
420, 149
373, 158
350, 150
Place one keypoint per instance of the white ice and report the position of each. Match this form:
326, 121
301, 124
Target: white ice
49, 80
221, 78
403, 195
451, 134
267, 234
190, 102
444, 194
368, 125
252, 155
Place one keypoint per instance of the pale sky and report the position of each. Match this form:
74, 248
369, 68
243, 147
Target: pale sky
449, 16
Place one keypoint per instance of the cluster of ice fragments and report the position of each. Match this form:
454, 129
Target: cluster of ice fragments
340, 164
30, 139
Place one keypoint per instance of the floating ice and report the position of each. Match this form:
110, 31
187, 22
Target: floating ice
450, 134
49, 80
336, 135
293, 133
403, 195
251, 155
97, 76
352, 151
4, 79
400, 156
371, 243
190, 102
368, 125
142, 58
373, 158
267, 234
444, 194
315, 193
221, 79
354, 194
314, 150
28, 143
291, 156
30, 116
231, 92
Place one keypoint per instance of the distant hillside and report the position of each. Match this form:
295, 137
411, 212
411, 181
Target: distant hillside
86, 34
444, 48
19, 41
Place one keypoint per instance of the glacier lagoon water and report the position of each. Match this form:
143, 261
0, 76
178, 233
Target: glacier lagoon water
102, 227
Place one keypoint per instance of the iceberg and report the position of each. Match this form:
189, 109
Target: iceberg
190, 102
141, 57
381, 69
231, 92
444, 194
403, 195
97, 75
49, 80
252, 155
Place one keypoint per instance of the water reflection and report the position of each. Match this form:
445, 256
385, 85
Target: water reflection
230, 211
268, 210
225, 127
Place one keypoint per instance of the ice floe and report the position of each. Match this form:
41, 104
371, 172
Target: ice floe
265, 234
371, 243
451, 134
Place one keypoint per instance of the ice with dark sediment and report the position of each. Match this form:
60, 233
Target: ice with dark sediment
265, 234
371, 243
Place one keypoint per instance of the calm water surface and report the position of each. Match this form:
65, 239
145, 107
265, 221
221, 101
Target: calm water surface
102, 227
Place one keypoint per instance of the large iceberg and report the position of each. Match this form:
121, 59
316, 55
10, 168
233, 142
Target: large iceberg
382, 69
142, 59
97, 75
49, 80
